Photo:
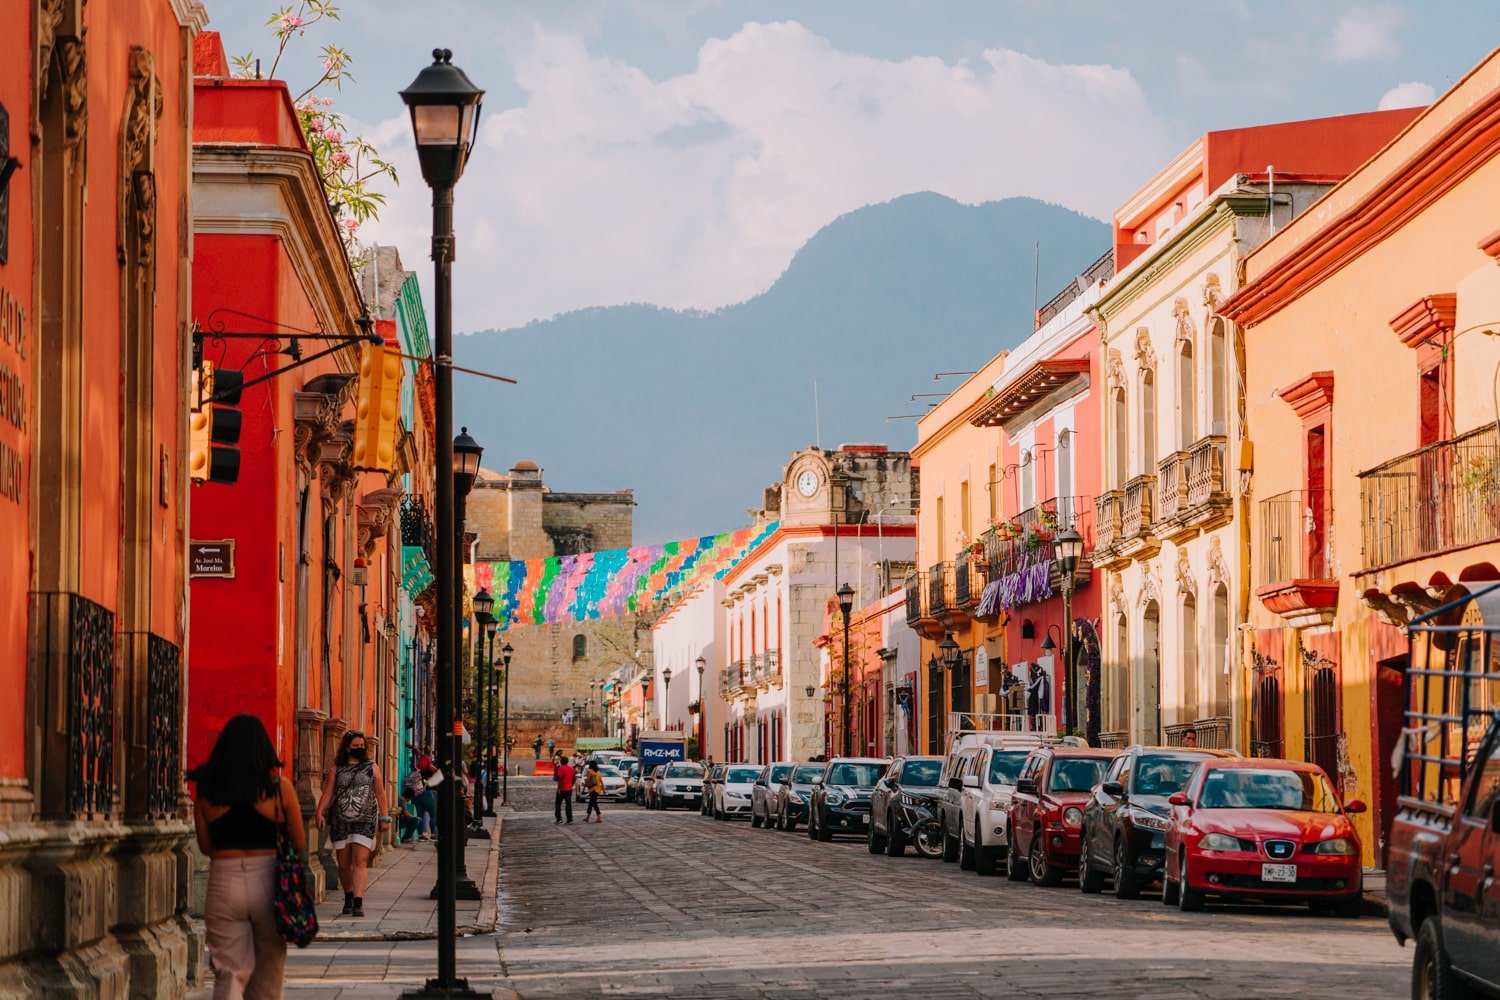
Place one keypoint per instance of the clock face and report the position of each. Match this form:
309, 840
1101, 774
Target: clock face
807, 483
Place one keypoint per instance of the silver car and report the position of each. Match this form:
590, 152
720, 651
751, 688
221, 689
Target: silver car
765, 797
681, 784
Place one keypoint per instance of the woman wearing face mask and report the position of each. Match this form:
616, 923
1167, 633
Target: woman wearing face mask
352, 808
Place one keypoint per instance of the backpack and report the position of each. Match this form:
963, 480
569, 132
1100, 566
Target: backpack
414, 785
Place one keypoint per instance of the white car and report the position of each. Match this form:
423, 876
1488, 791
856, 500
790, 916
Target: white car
681, 784
733, 793
988, 784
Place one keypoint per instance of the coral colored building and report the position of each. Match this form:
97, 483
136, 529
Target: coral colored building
1172, 524
1371, 352
96, 109
301, 629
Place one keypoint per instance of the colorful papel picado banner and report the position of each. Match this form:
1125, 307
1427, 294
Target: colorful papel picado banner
611, 583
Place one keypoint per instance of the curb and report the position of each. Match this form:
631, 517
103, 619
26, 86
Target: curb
489, 910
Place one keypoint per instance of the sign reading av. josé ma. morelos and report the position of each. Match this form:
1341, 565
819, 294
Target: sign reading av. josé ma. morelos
211, 558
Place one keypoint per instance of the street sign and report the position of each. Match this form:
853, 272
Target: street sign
214, 558
655, 752
981, 667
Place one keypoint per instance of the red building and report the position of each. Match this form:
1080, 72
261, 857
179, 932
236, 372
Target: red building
294, 571
94, 108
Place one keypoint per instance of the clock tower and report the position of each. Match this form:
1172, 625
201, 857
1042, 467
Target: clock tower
814, 489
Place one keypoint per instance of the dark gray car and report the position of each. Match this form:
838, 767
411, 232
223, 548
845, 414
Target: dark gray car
913, 775
796, 792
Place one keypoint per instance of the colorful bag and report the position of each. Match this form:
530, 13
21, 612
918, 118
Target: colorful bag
296, 915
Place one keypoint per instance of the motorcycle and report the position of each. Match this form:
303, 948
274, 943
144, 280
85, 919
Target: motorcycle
920, 825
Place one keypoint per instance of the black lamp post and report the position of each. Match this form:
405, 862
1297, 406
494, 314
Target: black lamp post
466, 455
505, 652
1068, 549
846, 604
444, 106
666, 695
482, 631
950, 654
492, 690
701, 664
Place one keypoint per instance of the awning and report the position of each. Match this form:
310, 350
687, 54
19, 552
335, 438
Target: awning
597, 743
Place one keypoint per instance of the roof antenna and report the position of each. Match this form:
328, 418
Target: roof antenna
817, 418
1036, 275
1271, 196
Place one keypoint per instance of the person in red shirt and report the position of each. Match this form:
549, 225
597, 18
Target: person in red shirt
563, 774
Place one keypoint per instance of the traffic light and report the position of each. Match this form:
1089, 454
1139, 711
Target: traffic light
214, 422
377, 408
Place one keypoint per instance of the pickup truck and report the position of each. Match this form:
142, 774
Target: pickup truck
1444, 845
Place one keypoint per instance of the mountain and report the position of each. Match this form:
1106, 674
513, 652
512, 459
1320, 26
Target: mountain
697, 412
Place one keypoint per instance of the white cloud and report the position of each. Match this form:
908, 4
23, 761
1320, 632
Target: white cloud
1407, 95
1365, 33
607, 186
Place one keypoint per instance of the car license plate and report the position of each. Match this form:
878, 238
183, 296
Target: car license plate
1278, 873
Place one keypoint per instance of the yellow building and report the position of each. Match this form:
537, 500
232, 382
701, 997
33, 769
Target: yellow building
1371, 355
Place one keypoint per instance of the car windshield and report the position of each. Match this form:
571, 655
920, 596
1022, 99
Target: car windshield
807, 775
1267, 788
684, 771
743, 775
778, 774
1076, 774
848, 773
921, 773
609, 772
1005, 767
1162, 775
660, 768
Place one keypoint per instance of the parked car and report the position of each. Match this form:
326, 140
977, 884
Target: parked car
681, 784
650, 784
916, 776
614, 782
1046, 811
1445, 840
1125, 820
961, 763
710, 778
733, 791
1266, 830
633, 784
796, 790
765, 797
840, 800
984, 806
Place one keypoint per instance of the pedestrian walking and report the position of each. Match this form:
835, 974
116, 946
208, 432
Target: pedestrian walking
562, 774
242, 800
352, 809
594, 785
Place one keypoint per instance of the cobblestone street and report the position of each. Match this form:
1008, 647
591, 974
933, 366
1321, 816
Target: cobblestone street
652, 903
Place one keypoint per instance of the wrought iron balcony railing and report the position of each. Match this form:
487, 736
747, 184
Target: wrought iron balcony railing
940, 588
916, 597
1295, 537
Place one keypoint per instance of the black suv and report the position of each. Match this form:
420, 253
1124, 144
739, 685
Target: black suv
841, 798
1125, 819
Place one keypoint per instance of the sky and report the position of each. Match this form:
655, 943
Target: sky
678, 152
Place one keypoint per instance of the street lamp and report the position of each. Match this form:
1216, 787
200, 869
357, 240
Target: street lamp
950, 654
483, 630
491, 689
444, 107
666, 695
1067, 550
846, 604
505, 652
703, 753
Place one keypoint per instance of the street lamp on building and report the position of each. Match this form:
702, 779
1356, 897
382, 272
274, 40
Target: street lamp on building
701, 664
950, 654
846, 604
505, 652
444, 106
1068, 550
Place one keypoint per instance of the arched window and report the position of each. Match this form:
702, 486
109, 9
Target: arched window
1117, 686
1148, 422
1219, 683
1121, 428
1187, 396
580, 646
1189, 659
1218, 390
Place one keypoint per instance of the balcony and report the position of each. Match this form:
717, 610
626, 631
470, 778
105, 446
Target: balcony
773, 663
1294, 577
1436, 499
1109, 509
1137, 521
968, 580
1021, 556
940, 596
1190, 491
1172, 485
916, 598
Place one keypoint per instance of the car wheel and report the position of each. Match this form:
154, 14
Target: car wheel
950, 844
965, 851
984, 857
875, 841
1090, 879
895, 840
1127, 886
1432, 975
1189, 900
1015, 869
1043, 872
755, 819
1168, 891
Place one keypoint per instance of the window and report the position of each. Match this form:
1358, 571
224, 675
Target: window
1187, 396
1189, 659
1435, 422
1064, 459
964, 510
1218, 389
1148, 422
1120, 422
994, 492
1028, 480
942, 530
1219, 684
580, 646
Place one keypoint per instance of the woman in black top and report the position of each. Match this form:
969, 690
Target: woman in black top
241, 801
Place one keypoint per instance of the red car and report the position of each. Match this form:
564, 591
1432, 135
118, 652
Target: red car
1046, 811
1266, 830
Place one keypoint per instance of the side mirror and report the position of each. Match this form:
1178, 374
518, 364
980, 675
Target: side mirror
971, 781
1179, 799
1026, 786
1354, 806
955, 782
1112, 788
